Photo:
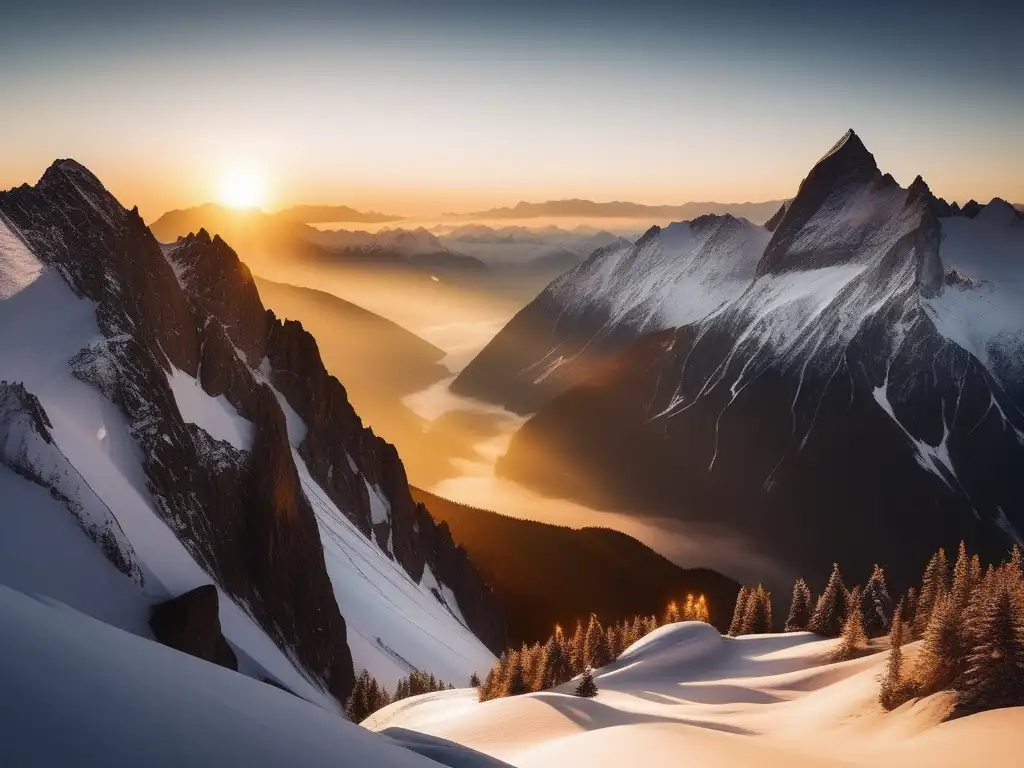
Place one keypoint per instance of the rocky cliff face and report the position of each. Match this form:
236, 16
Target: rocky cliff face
242, 512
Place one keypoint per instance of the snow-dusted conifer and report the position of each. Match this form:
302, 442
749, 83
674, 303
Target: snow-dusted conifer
739, 612
799, 608
830, 610
587, 688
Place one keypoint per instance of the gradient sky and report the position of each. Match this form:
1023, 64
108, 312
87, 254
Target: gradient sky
424, 107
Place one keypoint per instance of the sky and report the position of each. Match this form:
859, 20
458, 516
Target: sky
418, 108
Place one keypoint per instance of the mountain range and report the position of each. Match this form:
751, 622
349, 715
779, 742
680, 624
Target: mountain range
757, 212
843, 384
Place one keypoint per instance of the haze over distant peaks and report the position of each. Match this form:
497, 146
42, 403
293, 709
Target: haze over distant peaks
755, 212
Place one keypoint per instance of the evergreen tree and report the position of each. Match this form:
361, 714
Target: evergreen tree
576, 649
830, 610
853, 638
595, 644
894, 691
961, 588
486, 689
994, 675
876, 605
933, 586
516, 681
554, 668
672, 614
758, 618
587, 688
474, 680
614, 641
799, 608
942, 654
700, 610
650, 624
358, 704
739, 612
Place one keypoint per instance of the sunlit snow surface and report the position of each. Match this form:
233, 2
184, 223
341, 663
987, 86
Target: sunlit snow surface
685, 695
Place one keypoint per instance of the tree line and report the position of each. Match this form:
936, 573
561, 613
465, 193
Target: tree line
538, 667
368, 695
969, 620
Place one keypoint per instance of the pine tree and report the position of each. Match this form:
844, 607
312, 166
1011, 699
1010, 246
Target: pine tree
739, 613
516, 681
366, 697
672, 614
587, 688
830, 610
942, 654
576, 649
961, 588
876, 605
933, 586
854, 638
474, 680
799, 608
700, 610
596, 653
994, 675
650, 624
486, 689
758, 618
614, 641
554, 668
894, 691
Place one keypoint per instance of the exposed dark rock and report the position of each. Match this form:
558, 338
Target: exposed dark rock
848, 163
772, 224
972, 208
190, 623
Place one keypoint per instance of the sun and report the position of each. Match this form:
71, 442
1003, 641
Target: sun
242, 188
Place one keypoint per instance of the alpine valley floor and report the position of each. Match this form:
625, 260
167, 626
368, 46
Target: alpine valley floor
685, 695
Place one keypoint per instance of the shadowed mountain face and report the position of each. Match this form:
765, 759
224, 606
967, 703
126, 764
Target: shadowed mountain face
850, 395
546, 574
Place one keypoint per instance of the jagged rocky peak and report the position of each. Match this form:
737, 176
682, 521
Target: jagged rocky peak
841, 201
999, 211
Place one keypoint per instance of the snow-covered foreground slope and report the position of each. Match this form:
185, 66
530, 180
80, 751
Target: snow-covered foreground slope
79, 692
685, 695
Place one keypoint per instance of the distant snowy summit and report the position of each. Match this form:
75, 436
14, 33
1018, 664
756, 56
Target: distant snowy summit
846, 382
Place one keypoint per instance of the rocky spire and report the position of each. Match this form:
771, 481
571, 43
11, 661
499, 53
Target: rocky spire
848, 163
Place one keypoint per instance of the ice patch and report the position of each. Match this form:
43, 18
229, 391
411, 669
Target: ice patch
214, 414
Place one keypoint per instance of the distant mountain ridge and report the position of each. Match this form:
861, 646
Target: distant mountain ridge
755, 212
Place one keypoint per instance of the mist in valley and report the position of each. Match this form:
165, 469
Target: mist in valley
396, 340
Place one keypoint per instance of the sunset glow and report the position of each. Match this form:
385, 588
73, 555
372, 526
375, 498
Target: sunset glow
242, 188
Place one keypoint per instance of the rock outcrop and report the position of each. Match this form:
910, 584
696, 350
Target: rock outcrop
190, 623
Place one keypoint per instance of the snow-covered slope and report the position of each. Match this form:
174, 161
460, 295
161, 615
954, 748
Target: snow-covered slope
191, 437
80, 692
685, 695
847, 386
666, 279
